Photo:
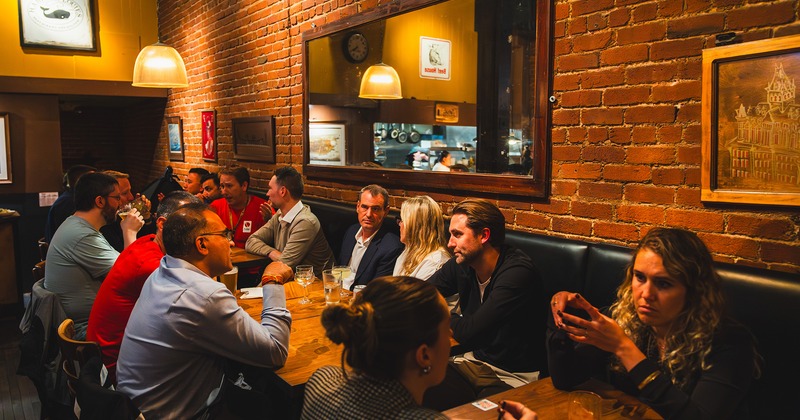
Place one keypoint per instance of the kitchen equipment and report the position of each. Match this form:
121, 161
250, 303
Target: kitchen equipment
414, 135
395, 132
402, 137
384, 132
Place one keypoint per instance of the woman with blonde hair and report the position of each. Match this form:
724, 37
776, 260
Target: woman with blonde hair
667, 340
422, 231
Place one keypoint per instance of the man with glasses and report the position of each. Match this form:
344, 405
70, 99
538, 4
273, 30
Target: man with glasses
118, 238
185, 324
369, 247
121, 287
79, 257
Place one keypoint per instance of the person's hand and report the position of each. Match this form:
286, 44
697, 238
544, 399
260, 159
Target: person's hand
512, 410
266, 211
132, 222
599, 331
559, 303
278, 272
160, 196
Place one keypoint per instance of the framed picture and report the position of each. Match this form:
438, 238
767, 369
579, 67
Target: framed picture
208, 130
175, 136
326, 144
64, 24
446, 113
254, 139
751, 123
5, 150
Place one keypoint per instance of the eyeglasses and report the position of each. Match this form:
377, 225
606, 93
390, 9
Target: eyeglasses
227, 233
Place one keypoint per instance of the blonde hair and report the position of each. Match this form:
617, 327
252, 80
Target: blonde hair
687, 260
424, 226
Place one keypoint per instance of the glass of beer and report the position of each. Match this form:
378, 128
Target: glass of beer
123, 211
333, 287
231, 280
304, 276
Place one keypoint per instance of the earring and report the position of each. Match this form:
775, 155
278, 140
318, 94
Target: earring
426, 370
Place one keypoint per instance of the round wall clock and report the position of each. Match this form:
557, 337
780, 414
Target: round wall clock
355, 47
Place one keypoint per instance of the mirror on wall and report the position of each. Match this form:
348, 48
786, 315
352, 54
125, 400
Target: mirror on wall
474, 78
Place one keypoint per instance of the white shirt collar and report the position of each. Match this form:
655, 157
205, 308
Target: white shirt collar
364, 242
291, 214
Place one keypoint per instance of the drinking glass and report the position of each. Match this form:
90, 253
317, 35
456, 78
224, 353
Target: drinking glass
343, 272
333, 287
123, 211
304, 276
584, 405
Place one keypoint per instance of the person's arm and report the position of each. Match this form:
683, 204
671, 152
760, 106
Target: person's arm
430, 265
299, 241
130, 226
260, 242
446, 278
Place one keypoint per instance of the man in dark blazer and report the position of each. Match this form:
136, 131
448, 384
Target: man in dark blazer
369, 248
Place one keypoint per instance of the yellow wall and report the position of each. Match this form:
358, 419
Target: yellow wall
123, 27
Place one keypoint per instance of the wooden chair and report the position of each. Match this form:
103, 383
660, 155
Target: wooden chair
43, 246
74, 353
38, 271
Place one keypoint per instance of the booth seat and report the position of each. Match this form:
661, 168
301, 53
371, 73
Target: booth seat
765, 301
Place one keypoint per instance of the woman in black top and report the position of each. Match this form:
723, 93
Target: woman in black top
667, 340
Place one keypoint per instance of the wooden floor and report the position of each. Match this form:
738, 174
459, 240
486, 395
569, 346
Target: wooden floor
18, 398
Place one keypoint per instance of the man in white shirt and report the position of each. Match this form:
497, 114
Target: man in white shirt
369, 247
293, 236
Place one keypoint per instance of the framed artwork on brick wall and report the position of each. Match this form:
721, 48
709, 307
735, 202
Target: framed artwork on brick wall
208, 134
62, 24
5, 150
175, 136
751, 123
326, 144
254, 139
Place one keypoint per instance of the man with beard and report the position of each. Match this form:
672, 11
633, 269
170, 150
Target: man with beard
118, 238
502, 315
79, 257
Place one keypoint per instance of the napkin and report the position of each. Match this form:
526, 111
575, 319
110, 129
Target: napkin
252, 293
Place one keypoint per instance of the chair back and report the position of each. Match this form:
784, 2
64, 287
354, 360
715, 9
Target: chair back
74, 353
99, 402
38, 271
43, 246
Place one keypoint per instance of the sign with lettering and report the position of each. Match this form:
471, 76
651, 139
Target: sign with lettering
434, 58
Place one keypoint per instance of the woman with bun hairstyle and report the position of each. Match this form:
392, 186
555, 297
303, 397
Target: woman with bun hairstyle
422, 232
396, 337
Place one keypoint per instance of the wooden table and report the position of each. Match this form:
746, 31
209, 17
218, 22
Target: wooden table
551, 403
309, 349
244, 259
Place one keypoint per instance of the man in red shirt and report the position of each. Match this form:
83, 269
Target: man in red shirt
241, 212
120, 289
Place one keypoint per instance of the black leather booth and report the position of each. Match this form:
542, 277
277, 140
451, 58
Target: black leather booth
766, 301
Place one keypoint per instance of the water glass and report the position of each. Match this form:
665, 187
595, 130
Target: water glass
304, 276
332, 283
343, 272
584, 405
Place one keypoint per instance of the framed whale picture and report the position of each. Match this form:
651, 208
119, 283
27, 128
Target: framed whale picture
60, 24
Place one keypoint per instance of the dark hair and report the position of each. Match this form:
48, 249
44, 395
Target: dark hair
376, 190
241, 173
75, 172
443, 154
182, 227
389, 318
212, 176
483, 214
91, 186
459, 168
175, 200
288, 177
198, 171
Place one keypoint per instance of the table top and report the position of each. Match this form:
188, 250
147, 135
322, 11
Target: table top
309, 349
550, 403
244, 259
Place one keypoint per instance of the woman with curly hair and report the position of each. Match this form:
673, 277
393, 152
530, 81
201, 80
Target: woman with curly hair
667, 340
422, 231
396, 337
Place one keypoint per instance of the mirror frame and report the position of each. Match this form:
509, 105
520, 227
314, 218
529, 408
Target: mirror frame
536, 185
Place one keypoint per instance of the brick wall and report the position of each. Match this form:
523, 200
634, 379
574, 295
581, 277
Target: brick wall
626, 126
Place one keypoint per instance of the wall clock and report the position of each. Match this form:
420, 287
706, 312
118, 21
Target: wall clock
355, 47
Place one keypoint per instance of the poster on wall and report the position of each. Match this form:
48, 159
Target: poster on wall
434, 58
5, 151
175, 135
326, 144
64, 24
208, 124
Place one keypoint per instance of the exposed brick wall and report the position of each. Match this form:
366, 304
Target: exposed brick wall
625, 129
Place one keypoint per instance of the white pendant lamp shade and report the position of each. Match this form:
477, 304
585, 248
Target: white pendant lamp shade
380, 82
159, 66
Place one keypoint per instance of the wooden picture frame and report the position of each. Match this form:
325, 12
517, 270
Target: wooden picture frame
62, 24
254, 139
208, 135
5, 150
326, 143
175, 139
751, 123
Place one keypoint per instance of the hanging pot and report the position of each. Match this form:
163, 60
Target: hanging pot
402, 137
384, 132
394, 133
414, 136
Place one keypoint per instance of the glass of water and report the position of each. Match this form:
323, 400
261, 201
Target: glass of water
343, 272
332, 283
304, 276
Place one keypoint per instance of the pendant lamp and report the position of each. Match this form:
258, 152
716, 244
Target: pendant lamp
159, 66
380, 81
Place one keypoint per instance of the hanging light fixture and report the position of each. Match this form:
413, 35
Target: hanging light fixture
380, 81
159, 66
